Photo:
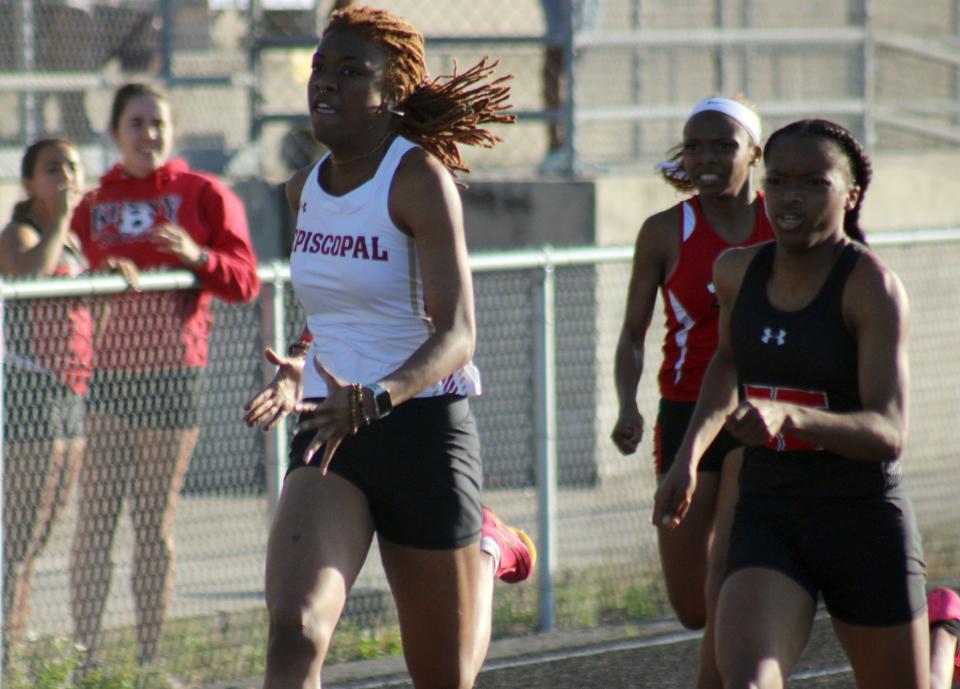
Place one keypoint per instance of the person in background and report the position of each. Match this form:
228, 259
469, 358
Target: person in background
674, 255
46, 368
386, 443
811, 374
150, 356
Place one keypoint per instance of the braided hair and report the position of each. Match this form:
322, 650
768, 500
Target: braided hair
441, 113
861, 170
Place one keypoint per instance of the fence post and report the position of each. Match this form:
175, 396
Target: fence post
273, 305
570, 144
546, 442
867, 11
3, 487
168, 20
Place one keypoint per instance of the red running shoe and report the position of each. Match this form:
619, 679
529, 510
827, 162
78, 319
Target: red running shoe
518, 554
943, 605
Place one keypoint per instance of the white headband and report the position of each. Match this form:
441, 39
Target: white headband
735, 110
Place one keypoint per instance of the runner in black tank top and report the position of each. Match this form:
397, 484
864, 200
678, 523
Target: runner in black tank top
807, 357
811, 374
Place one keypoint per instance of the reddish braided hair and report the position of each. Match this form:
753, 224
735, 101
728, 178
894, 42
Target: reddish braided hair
440, 113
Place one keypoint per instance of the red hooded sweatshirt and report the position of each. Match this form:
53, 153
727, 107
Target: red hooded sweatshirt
159, 330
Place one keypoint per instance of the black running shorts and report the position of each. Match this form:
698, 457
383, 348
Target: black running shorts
161, 399
38, 406
672, 421
862, 554
420, 470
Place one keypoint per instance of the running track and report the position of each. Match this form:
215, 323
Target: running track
660, 656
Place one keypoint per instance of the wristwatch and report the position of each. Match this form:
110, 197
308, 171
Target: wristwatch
382, 404
202, 260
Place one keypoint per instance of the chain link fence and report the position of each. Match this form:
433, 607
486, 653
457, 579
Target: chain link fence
605, 555
600, 84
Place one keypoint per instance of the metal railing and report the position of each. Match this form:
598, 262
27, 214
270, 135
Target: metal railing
276, 276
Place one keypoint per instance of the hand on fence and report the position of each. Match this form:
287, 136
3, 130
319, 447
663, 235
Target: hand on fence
628, 431
280, 396
127, 269
333, 419
673, 497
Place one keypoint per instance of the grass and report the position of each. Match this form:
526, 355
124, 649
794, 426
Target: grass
203, 650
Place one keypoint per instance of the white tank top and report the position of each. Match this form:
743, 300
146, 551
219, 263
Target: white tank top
358, 279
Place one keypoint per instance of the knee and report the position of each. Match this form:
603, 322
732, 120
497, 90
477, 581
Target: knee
297, 637
761, 676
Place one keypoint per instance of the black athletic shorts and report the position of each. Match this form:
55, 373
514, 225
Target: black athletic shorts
419, 468
862, 554
161, 399
38, 406
672, 421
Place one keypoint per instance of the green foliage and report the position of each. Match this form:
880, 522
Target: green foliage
203, 650
57, 663
355, 642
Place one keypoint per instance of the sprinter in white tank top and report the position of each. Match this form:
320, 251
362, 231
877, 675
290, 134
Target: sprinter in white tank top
380, 266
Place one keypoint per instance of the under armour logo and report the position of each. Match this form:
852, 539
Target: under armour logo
304, 207
780, 337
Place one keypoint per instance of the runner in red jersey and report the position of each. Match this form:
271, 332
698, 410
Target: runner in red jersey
150, 355
674, 256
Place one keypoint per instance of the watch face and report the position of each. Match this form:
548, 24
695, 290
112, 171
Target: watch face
384, 405
381, 400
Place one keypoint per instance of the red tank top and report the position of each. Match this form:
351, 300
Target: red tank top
61, 330
690, 301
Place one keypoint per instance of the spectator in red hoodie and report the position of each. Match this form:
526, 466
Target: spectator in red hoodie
151, 353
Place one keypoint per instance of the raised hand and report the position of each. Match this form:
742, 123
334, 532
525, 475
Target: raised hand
332, 418
277, 399
173, 239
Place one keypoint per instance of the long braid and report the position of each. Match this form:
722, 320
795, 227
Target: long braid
672, 172
860, 167
438, 114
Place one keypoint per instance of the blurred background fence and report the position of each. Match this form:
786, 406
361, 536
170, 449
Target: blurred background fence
614, 77
601, 91
547, 320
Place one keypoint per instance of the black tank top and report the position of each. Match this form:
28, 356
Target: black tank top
806, 357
